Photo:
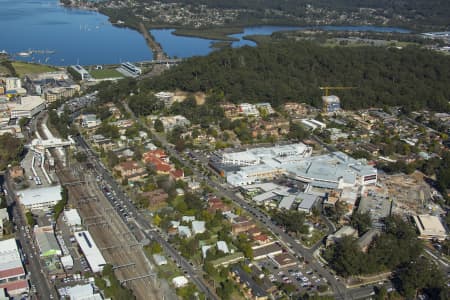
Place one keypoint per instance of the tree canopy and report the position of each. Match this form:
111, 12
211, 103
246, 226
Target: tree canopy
282, 71
10, 150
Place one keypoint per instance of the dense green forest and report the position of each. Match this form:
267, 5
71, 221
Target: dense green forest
293, 71
397, 248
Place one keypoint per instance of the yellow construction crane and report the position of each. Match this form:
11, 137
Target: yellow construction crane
328, 88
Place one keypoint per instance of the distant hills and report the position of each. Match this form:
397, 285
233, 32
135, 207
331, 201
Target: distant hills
393, 12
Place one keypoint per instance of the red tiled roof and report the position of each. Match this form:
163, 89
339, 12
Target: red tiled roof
162, 167
261, 238
12, 272
129, 165
14, 285
177, 174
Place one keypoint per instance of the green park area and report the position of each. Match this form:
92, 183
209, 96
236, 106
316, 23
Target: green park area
24, 68
105, 73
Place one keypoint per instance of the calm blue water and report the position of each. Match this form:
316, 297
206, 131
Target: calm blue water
74, 35
88, 38
179, 46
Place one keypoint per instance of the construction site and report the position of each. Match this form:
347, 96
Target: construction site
410, 194
119, 246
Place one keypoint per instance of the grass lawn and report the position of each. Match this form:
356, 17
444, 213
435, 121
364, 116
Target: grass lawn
105, 73
23, 68
169, 271
4, 71
317, 235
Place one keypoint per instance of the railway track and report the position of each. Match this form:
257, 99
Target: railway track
116, 242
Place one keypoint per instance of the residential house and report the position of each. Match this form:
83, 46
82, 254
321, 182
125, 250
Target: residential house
262, 239
230, 110
184, 231
215, 204
170, 122
89, 121
241, 224
275, 127
248, 110
130, 170
296, 109
198, 227
101, 142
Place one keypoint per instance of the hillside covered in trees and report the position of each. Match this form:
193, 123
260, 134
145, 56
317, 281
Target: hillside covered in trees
284, 71
415, 14
431, 11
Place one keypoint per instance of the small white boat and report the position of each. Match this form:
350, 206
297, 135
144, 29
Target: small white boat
24, 53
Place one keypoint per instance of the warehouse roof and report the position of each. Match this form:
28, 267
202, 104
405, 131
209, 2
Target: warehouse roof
9, 256
35, 196
46, 241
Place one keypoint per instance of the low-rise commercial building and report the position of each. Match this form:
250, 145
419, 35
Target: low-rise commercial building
80, 292
284, 260
26, 107
12, 273
72, 218
336, 170
256, 156
40, 198
307, 202
46, 240
430, 227
264, 251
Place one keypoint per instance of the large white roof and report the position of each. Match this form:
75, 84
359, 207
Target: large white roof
27, 103
90, 250
9, 255
82, 292
72, 217
40, 195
